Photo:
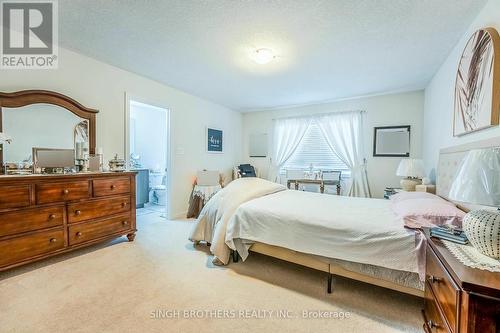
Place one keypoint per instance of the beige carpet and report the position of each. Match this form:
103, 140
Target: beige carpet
122, 287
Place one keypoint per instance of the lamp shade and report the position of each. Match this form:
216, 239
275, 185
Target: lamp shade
478, 178
411, 167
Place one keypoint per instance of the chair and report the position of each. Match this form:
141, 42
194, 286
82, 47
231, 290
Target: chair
332, 175
236, 172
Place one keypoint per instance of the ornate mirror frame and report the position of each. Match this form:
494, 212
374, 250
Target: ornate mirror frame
28, 97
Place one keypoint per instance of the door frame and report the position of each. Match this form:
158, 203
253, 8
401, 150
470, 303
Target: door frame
134, 98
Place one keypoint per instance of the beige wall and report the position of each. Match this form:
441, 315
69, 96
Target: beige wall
103, 87
386, 110
439, 97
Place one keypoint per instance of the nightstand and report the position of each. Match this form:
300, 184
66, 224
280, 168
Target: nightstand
426, 188
458, 298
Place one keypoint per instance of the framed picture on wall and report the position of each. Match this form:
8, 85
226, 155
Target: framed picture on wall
215, 140
477, 97
391, 141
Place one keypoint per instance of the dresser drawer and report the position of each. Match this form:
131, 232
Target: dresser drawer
18, 221
14, 196
433, 322
21, 248
110, 186
89, 210
444, 288
88, 231
63, 191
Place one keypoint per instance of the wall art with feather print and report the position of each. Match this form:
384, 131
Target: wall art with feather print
477, 88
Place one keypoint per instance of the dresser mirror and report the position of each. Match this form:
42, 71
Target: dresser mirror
43, 120
38, 125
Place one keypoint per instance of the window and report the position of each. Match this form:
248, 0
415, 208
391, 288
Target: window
315, 149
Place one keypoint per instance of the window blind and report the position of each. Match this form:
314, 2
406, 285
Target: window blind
314, 149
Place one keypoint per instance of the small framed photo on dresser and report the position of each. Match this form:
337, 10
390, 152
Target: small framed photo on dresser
214, 140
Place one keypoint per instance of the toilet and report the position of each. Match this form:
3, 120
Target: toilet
158, 188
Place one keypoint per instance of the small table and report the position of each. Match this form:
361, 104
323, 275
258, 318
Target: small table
205, 192
319, 182
426, 188
199, 197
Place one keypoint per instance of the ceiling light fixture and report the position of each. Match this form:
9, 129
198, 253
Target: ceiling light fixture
263, 56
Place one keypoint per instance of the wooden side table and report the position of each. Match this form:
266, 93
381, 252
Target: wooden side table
458, 298
426, 188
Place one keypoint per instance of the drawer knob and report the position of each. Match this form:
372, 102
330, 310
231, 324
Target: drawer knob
52, 216
433, 279
432, 324
125, 222
124, 204
53, 240
112, 186
78, 212
78, 234
65, 191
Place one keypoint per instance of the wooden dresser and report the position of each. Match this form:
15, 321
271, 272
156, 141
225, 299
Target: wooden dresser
44, 215
458, 298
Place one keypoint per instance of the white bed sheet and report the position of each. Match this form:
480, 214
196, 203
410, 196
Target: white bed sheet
353, 229
213, 219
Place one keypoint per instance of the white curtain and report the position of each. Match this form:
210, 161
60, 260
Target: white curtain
344, 133
287, 134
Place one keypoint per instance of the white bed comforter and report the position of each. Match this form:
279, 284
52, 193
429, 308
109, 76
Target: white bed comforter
214, 217
352, 229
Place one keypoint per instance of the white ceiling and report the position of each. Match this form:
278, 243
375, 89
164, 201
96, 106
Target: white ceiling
326, 50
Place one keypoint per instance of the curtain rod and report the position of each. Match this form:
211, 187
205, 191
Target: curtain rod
318, 114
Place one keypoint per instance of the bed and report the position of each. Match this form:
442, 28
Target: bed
357, 238
342, 234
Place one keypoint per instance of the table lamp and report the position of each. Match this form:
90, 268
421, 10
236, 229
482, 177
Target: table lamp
413, 171
478, 182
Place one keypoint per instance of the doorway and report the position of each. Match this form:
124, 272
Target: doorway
147, 152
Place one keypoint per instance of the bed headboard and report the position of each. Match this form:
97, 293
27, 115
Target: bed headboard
449, 162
